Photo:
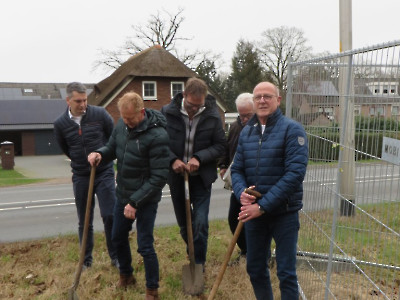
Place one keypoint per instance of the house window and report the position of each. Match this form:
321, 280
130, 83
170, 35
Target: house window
395, 110
149, 90
176, 87
372, 111
377, 90
385, 89
357, 110
380, 111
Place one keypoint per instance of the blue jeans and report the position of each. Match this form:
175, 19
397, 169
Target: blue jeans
145, 218
259, 233
200, 199
104, 189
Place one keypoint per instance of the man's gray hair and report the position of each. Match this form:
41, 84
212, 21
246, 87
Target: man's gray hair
244, 99
75, 87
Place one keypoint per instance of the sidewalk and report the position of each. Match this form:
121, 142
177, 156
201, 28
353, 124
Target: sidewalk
44, 166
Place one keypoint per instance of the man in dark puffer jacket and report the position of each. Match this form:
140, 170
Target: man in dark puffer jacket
80, 130
197, 140
139, 142
271, 157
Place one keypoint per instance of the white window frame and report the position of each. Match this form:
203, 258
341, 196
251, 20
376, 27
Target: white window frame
176, 82
357, 110
380, 111
149, 97
398, 110
372, 111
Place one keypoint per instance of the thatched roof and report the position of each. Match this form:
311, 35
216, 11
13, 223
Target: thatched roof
152, 62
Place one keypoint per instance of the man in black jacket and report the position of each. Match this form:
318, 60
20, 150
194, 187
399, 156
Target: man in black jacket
197, 140
245, 107
80, 130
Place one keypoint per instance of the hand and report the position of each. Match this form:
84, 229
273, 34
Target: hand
94, 158
247, 199
130, 212
192, 165
178, 166
249, 212
222, 173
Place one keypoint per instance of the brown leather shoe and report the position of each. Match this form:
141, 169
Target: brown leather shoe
126, 280
151, 294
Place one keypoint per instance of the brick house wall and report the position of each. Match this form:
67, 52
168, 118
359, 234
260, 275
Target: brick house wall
163, 94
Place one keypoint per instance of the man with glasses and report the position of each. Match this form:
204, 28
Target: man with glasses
197, 140
245, 108
81, 129
271, 157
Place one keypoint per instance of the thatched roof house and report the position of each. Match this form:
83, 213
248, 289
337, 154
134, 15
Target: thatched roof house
154, 73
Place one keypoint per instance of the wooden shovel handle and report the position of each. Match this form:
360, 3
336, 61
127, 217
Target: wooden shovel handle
85, 227
189, 222
228, 255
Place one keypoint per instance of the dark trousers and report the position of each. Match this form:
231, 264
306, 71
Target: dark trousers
200, 200
284, 230
104, 189
234, 210
145, 219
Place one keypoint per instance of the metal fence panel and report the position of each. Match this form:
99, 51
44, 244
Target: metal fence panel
349, 241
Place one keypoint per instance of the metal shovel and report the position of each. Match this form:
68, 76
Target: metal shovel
72, 291
192, 274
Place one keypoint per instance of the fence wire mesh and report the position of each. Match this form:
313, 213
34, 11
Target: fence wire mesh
349, 241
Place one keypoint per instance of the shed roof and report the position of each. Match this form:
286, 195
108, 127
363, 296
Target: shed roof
32, 113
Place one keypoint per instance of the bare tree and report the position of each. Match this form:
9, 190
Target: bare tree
158, 31
277, 47
161, 29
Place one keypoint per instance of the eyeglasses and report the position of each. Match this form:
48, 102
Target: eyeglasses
248, 116
193, 106
265, 97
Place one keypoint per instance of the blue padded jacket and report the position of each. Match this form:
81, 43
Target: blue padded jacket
274, 162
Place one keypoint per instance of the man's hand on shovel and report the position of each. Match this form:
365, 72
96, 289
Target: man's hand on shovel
250, 208
94, 158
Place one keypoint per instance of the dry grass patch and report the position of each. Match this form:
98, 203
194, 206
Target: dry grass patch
44, 269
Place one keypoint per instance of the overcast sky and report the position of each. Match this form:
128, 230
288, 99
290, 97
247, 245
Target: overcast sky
58, 41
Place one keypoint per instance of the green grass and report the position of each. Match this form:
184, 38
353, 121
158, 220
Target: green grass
13, 178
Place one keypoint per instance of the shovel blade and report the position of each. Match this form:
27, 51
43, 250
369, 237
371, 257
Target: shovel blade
193, 279
72, 294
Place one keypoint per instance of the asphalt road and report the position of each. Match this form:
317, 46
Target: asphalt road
44, 210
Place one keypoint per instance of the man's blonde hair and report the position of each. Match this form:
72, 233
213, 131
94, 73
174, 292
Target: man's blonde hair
131, 99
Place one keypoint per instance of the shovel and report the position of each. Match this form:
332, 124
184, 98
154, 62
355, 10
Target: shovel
72, 291
192, 274
228, 255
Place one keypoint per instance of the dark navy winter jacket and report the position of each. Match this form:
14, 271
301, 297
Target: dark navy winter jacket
209, 140
274, 162
77, 142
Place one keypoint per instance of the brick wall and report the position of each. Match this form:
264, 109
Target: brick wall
163, 95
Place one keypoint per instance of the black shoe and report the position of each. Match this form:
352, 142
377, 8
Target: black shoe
115, 263
86, 265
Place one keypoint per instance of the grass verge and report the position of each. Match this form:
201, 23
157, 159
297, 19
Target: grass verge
13, 178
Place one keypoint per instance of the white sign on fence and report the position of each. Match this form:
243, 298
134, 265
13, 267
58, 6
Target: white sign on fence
391, 150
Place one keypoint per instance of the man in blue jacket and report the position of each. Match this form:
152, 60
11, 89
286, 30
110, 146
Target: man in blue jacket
197, 140
80, 130
271, 157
